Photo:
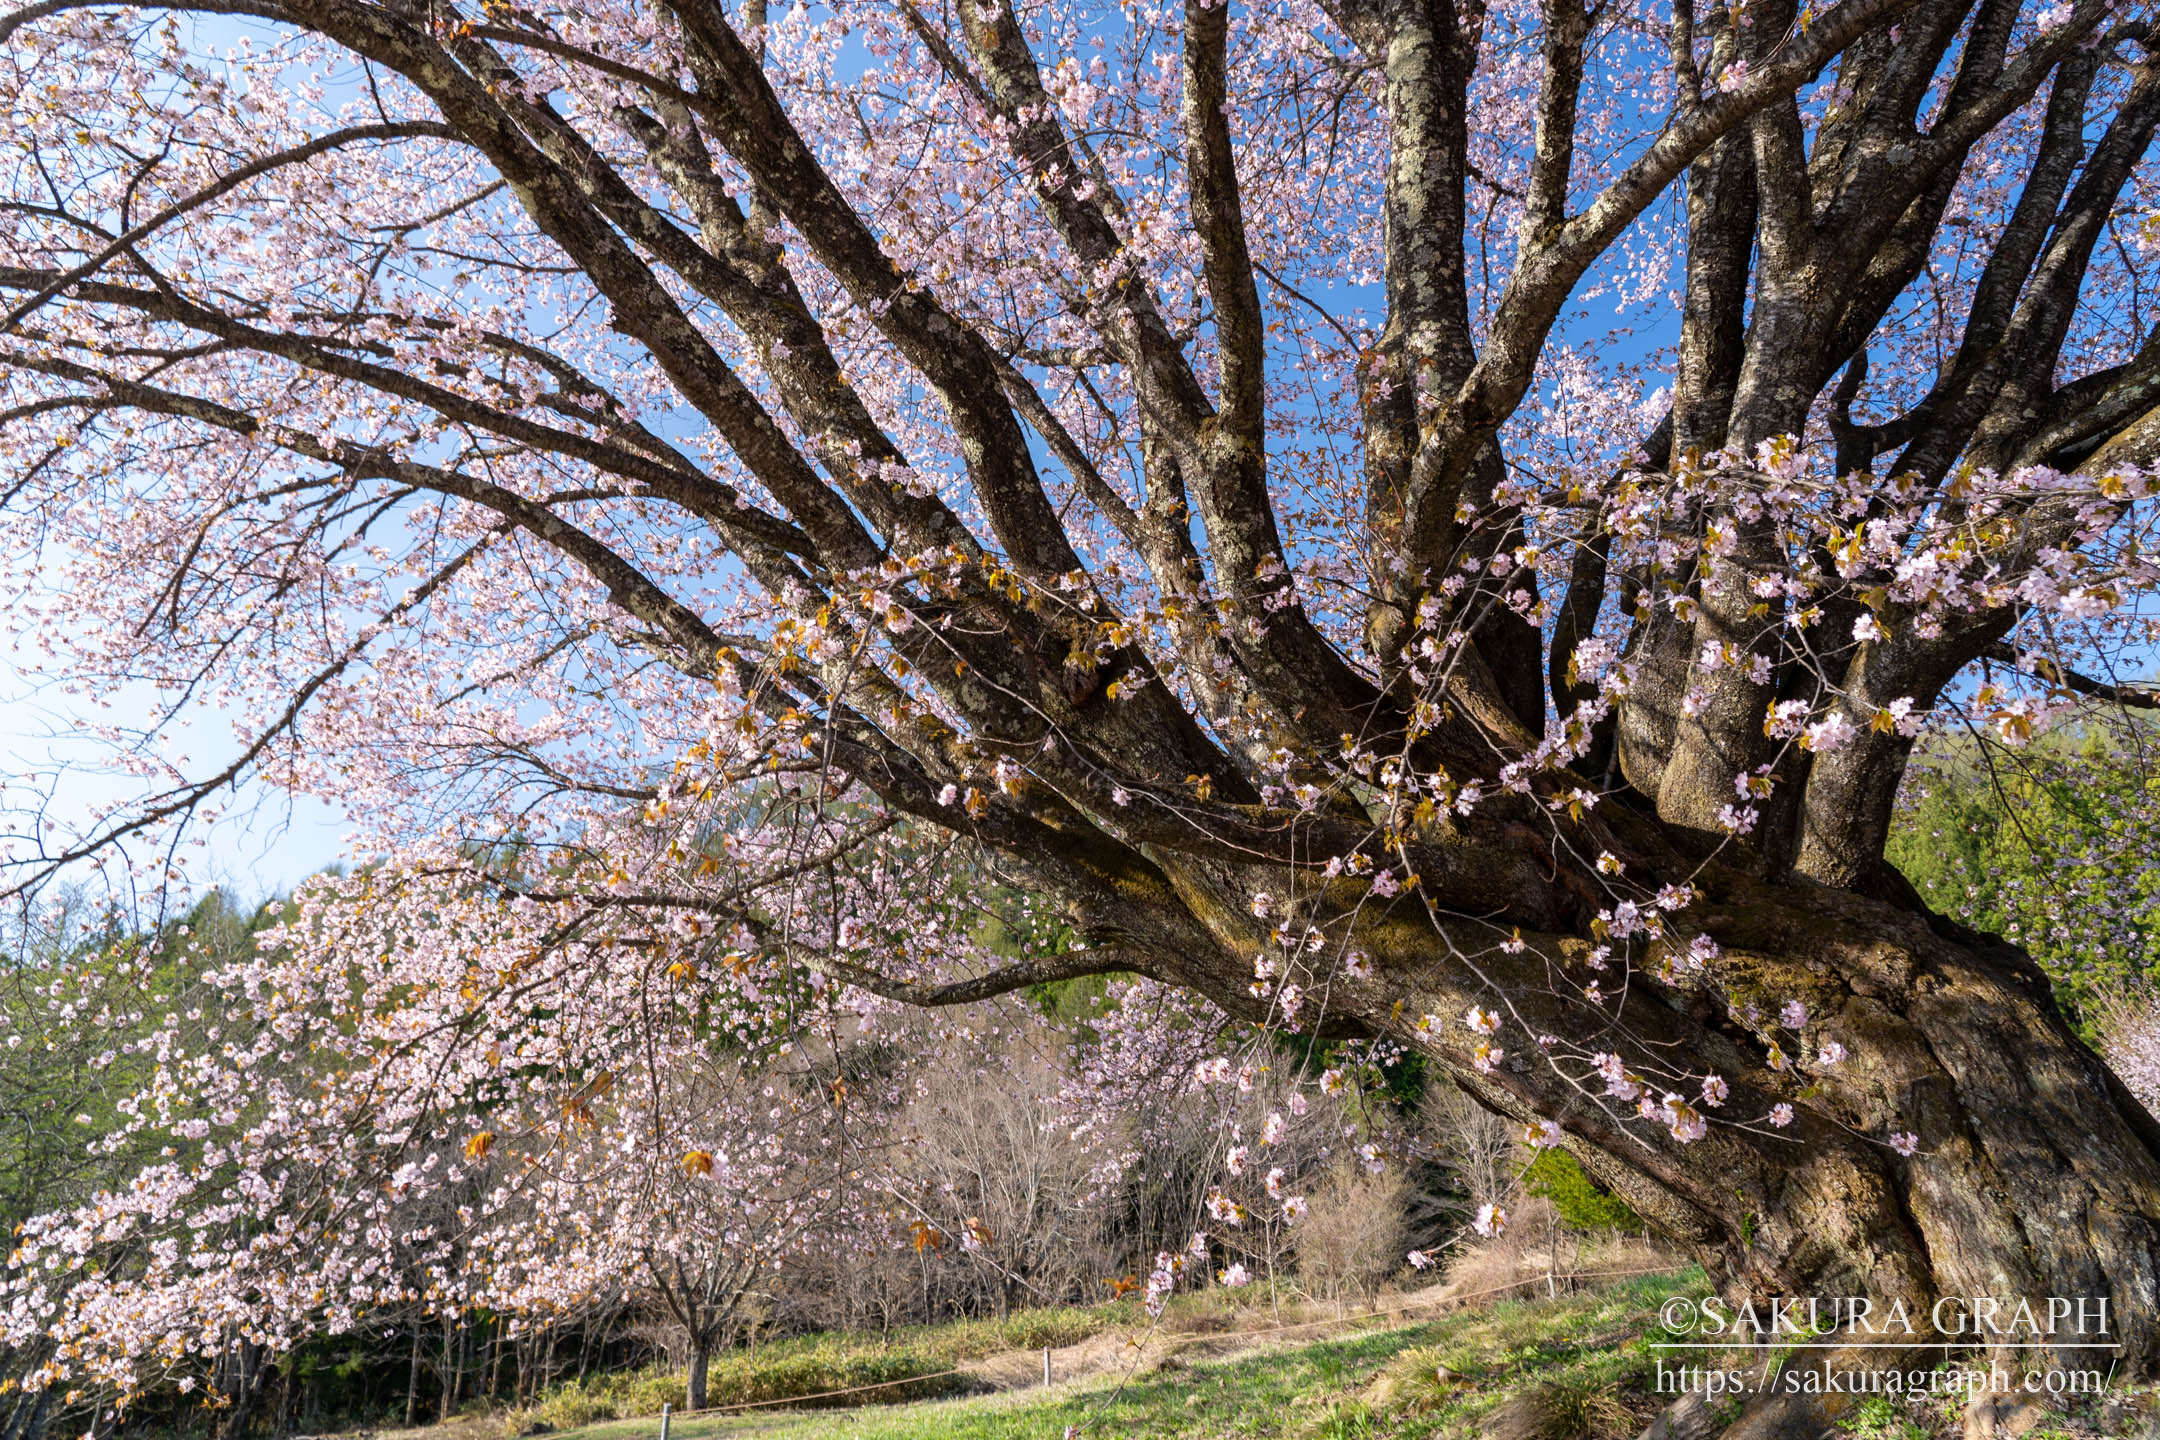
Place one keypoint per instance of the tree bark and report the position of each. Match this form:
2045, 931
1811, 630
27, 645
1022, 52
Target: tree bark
2036, 1175
412, 1378
252, 1371
452, 1370
700, 1359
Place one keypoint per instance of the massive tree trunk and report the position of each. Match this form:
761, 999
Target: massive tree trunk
2034, 1176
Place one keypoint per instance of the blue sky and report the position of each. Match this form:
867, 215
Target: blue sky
266, 842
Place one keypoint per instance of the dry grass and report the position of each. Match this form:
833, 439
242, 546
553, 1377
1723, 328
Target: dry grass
1353, 1236
1580, 1408
1536, 1256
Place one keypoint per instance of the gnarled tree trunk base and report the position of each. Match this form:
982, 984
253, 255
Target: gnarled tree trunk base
2034, 1177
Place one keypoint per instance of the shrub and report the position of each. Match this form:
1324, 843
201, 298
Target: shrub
1580, 1200
570, 1405
785, 1372
1021, 1330
1352, 1236
747, 1377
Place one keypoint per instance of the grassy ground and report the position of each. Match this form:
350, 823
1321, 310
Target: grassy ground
809, 1364
1572, 1367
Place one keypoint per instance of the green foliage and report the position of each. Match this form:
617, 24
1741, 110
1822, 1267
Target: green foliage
1347, 1420
956, 1340
1021, 1330
2048, 845
1581, 1201
1879, 1418
575, 1404
752, 1377
1070, 1004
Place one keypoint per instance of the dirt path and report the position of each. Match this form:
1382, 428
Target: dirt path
1124, 1352
464, 1427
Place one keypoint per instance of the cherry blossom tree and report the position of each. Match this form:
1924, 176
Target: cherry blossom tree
1429, 521
692, 1234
